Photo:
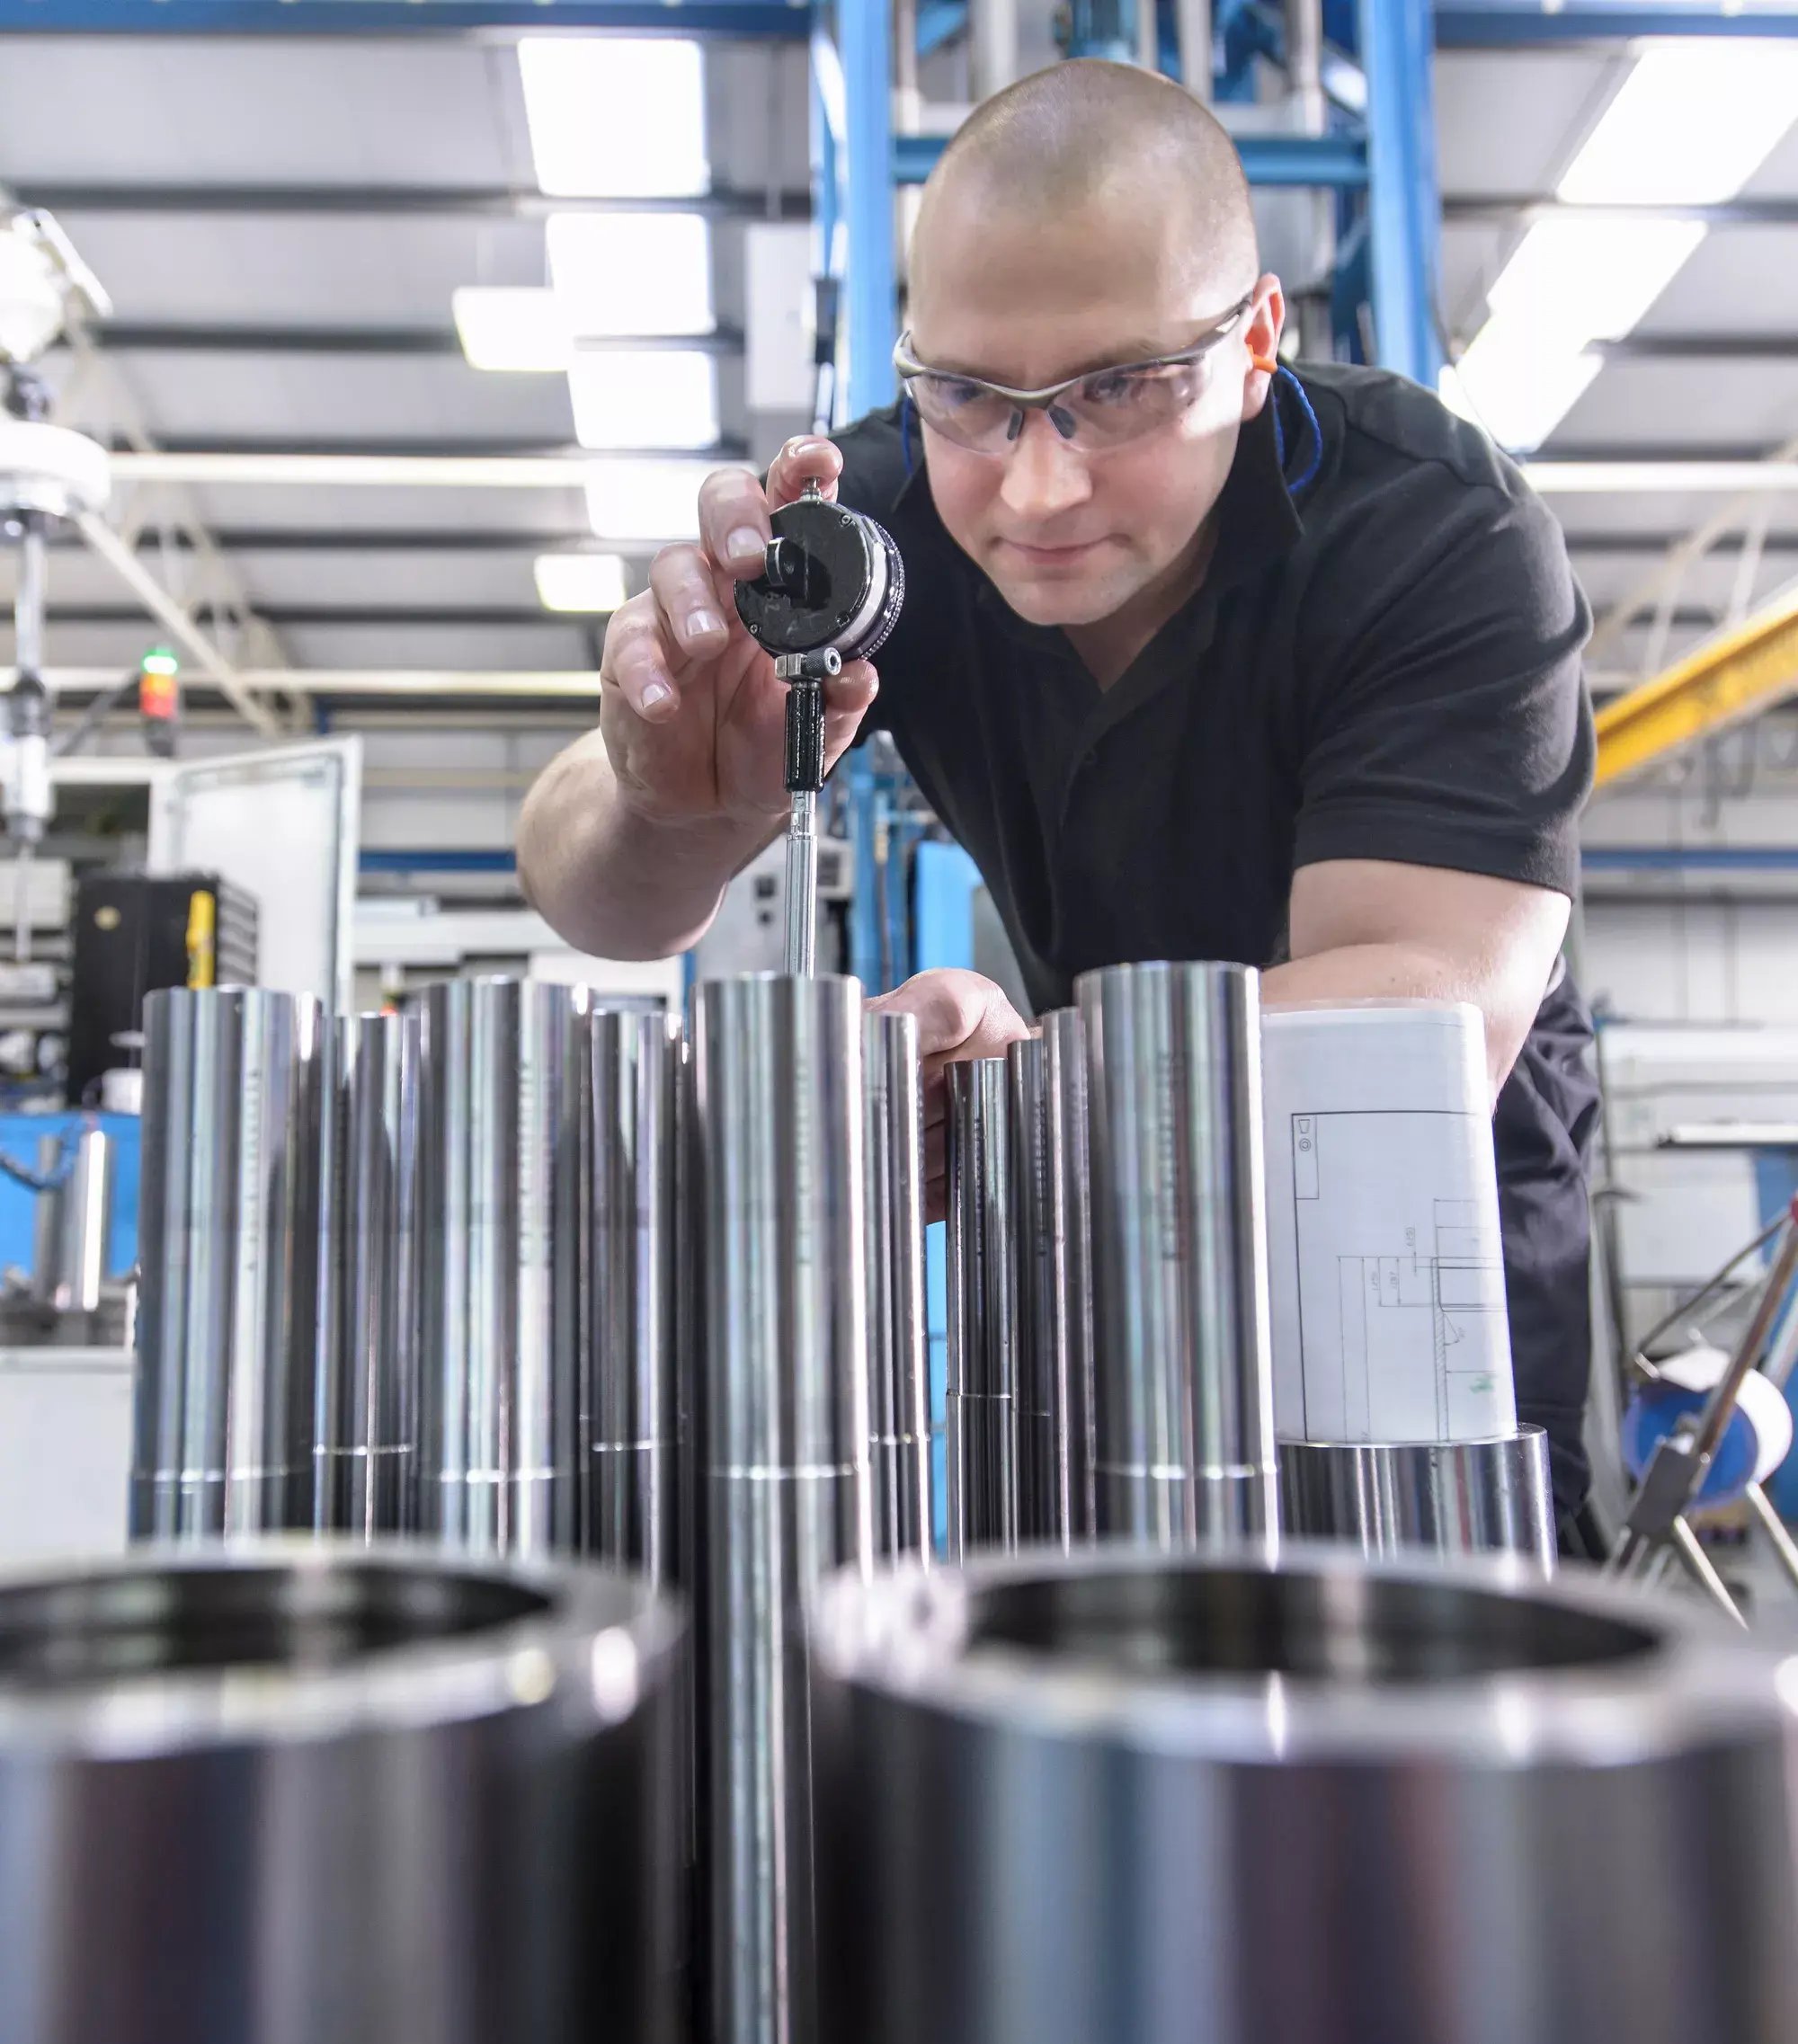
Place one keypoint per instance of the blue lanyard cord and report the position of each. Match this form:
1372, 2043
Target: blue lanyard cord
1294, 483
1284, 379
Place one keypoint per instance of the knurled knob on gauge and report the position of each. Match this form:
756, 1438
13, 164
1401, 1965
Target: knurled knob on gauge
834, 578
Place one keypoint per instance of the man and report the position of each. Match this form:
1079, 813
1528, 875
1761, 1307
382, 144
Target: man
1201, 659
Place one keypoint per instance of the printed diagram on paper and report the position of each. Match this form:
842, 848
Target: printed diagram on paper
1403, 1330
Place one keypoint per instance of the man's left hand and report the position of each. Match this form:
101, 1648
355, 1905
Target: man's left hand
960, 1014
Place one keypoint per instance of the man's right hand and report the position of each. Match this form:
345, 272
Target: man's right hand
690, 710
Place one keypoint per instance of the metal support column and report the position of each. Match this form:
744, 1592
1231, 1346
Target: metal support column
865, 40
1404, 206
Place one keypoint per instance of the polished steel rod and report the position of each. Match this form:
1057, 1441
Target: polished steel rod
779, 1136
504, 1214
630, 1414
1044, 1504
1185, 1428
981, 1406
1069, 1192
899, 1391
229, 1233
368, 1278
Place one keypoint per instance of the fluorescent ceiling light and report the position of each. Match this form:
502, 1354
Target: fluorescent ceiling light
580, 581
644, 500
1689, 126
1579, 278
632, 272
503, 327
1517, 386
616, 116
629, 398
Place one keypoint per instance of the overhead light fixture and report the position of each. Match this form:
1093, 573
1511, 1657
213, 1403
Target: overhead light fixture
1689, 126
629, 398
631, 272
43, 283
512, 327
643, 502
581, 581
616, 116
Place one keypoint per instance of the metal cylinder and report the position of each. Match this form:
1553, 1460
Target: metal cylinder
1448, 1497
630, 1414
228, 1232
980, 1408
1184, 1425
1185, 1798
320, 1796
369, 1274
1043, 1500
74, 1221
779, 1133
899, 1389
504, 1217
29, 597
1071, 1241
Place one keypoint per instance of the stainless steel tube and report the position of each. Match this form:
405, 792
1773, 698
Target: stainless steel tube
899, 1389
980, 1411
779, 1128
505, 1214
368, 1278
1045, 1461
630, 1414
1178, 1798
74, 1220
29, 598
228, 1240
1447, 1496
318, 1795
1185, 1426
1071, 1241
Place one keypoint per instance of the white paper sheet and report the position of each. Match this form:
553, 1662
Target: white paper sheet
1384, 1254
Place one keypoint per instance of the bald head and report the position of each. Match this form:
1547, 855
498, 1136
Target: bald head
1097, 138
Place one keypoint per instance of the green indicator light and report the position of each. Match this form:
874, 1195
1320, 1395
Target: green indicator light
160, 661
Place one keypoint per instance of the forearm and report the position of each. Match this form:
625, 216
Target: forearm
1409, 971
612, 882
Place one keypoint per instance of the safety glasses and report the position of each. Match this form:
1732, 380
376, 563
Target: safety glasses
1101, 409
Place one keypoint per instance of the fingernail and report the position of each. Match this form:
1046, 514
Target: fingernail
655, 694
744, 544
702, 624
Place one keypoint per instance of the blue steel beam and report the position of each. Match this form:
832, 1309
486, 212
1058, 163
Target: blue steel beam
1520, 25
1404, 209
1335, 160
870, 281
748, 18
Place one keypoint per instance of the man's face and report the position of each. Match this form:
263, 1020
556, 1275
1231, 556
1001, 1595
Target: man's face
1070, 537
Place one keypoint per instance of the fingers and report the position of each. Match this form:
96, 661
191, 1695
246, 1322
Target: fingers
687, 596
637, 660
734, 508
846, 699
960, 1014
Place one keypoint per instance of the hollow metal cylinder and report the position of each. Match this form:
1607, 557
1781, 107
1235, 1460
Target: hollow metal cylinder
278, 1795
1447, 1497
74, 1221
1185, 1430
504, 1219
778, 1135
1070, 1194
229, 1234
630, 1416
368, 1278
899, 1389
980, 1409
1191, 1799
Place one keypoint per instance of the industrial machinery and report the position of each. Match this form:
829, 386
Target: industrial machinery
46, 472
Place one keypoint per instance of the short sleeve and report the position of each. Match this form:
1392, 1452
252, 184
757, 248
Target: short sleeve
1446, 719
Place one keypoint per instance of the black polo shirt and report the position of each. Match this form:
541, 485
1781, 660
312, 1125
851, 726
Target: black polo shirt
1384, 662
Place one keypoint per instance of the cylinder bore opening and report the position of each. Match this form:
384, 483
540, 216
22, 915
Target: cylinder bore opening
1320, 1627
71, 1635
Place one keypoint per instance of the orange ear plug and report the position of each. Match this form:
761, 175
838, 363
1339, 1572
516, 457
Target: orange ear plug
1266, 364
